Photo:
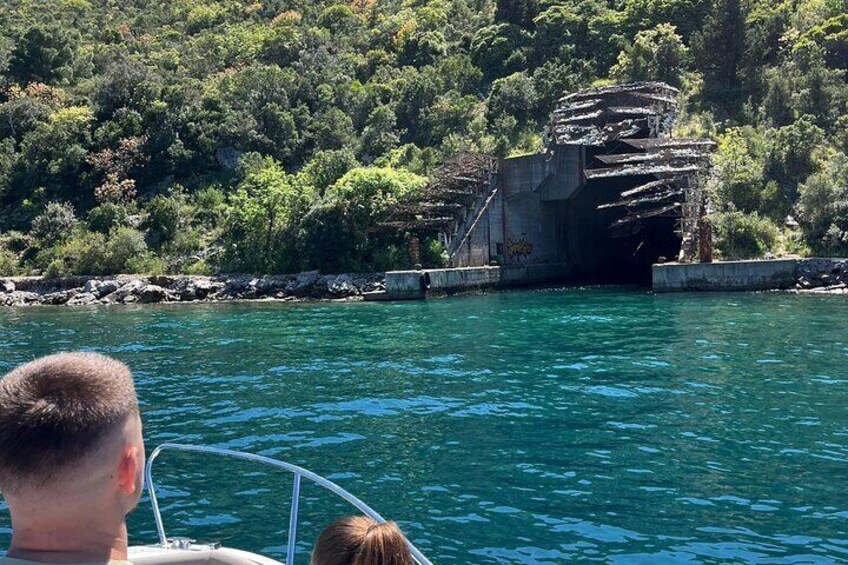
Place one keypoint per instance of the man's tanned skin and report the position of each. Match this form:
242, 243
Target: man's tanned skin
71, 458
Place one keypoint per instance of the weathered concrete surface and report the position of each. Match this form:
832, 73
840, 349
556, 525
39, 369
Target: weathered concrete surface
414, 285
533, 217
800, 274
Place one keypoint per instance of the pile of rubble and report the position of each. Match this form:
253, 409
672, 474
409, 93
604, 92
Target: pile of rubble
131, 289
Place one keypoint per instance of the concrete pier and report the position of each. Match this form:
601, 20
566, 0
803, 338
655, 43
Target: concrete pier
415, 285
772, 274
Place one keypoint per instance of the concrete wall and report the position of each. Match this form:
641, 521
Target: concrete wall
407, 285
523, 174
726, 275
475, 250
566, 176
535, 191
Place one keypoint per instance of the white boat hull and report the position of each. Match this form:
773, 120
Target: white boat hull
196, 554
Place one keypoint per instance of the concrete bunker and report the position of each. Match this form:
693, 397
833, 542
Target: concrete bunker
612, 193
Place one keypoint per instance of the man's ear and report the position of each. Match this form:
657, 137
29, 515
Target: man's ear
128, 469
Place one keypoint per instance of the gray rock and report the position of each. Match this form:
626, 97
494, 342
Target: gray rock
189, 288
59, 297
303, 284
101, 288
91, 286
152, 293
197, 289
205, 287
108, 287
342, 285
251, 290
82, 299
237, 285
270, 284
18, 298
128, 292
7, 286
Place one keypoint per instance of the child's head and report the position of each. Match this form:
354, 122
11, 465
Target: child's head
359, 540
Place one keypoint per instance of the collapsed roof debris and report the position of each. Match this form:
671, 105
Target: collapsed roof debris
628, 129
446, 200
597, 116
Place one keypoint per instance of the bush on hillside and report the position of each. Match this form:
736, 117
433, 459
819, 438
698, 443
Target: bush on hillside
744, 236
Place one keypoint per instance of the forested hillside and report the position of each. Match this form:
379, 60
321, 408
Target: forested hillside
197, 136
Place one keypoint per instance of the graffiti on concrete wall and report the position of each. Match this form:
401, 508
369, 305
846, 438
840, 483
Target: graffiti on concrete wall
520, 248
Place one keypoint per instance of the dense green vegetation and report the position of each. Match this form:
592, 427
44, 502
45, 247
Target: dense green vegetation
199, 135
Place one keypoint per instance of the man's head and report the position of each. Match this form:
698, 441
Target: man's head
70, 434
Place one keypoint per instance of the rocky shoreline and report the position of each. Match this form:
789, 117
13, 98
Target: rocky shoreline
822, 276
138, 289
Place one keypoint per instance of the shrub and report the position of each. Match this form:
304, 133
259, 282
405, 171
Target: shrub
823, 207
433, 254
55, 223
57, 268
105, 217
210, 205
744, 236
15, 241
163, 218
146, 263
92, 253
115, 189
8, 263
123, 246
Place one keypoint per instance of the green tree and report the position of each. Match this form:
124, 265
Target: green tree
656, 54
53, 154
326, 167
791, 158
516, 12
257, 230
380, 134
335, 236
501, 49
823, 207
514, 95
718, 49
163, 218
44, 54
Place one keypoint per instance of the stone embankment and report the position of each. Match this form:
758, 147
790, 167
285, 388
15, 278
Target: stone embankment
134, 289
822, 276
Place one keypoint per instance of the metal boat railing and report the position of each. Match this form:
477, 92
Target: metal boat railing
299, 473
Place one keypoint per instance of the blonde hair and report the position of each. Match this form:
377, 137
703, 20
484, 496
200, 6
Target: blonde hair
359, 540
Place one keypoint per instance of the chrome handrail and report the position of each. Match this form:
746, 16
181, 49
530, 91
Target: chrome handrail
299, 472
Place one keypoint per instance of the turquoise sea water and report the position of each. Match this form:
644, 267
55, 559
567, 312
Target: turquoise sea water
578, 425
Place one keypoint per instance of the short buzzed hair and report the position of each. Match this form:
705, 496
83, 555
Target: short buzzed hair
56, 411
